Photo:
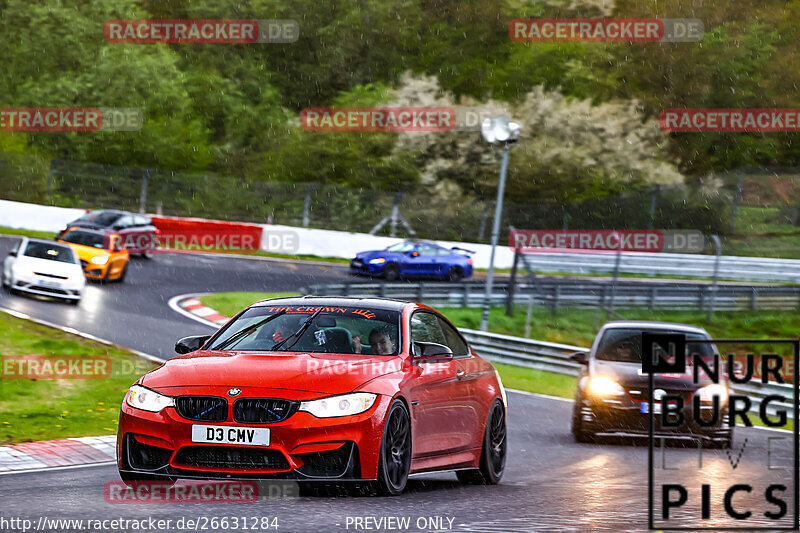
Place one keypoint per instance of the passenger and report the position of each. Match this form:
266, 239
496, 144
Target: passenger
285, 327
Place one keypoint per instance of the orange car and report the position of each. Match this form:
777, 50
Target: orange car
102, 255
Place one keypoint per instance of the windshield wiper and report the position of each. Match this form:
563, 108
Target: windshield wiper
297, 334
247, 331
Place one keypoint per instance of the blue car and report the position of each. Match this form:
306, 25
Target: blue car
414, 259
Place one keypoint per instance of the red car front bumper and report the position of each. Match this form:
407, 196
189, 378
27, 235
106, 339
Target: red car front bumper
301, 447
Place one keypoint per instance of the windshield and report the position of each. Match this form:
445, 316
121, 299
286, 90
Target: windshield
401, 247
347, 330
52, 252
102, 218
625, 345
84, 238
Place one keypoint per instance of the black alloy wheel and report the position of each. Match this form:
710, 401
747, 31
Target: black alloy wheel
395, 456
495, 448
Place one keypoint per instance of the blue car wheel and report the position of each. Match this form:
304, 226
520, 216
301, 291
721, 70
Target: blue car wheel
455, 274
391, 272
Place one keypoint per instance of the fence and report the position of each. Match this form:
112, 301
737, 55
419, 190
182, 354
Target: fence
715, 209
553, 357
554, 293
667, 264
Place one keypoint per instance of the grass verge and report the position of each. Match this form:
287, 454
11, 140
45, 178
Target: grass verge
27, 233
44, 409
532, 380
230, 303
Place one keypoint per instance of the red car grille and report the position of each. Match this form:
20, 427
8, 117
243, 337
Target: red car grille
262, 410
206, 408
231, 457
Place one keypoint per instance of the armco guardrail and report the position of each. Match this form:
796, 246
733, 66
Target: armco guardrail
554, 357
556, 292
547, 356
695, 265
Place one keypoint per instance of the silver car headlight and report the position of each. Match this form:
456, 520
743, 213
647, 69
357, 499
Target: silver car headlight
344, 405
603, 386
148, 400
708, 392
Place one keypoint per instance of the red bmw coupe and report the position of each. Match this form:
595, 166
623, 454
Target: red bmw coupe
319, 389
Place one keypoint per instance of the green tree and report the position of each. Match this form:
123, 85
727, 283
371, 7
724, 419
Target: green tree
56, 56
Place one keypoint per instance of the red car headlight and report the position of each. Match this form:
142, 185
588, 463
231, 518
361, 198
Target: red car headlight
344, 405
148, 400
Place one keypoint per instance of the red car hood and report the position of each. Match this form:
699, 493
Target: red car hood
322, 373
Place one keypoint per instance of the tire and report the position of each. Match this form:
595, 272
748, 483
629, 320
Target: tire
493, 453
455, 275
9, 285
73, 302
394, 460
579, 433
391, 272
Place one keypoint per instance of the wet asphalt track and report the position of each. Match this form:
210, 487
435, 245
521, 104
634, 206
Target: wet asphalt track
135, 313
550, 484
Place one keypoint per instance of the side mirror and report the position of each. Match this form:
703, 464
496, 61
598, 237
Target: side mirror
432, 352
12, 253
580, 357
190, 344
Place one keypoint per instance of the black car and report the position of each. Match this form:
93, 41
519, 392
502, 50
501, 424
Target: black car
612, 397
138, 233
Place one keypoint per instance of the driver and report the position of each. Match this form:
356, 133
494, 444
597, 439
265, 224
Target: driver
380, 340
625, 352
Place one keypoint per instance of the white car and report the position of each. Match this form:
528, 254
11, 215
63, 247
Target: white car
46, 268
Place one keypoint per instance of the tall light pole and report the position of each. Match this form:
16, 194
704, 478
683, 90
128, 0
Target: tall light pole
497, 130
